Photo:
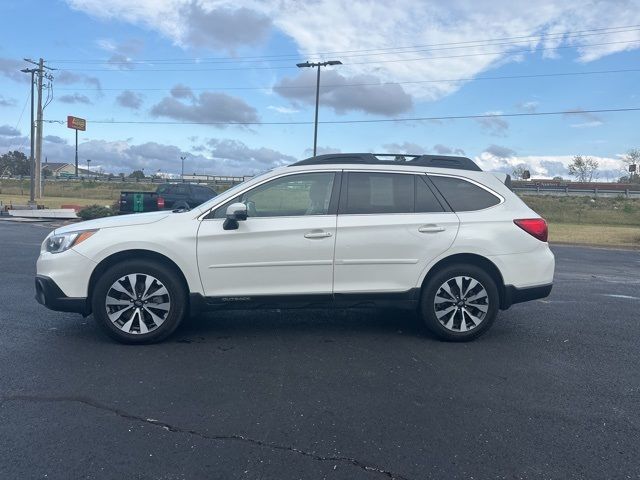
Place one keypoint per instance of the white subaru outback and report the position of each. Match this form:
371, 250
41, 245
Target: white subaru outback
431, 233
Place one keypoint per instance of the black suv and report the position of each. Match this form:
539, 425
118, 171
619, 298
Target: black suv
168, 196
184, 195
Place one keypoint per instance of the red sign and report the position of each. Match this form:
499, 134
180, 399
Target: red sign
76, 123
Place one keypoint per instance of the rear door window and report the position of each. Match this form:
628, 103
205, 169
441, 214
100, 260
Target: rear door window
462, 195
369, 192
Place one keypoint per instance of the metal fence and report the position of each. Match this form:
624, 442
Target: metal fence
628, 191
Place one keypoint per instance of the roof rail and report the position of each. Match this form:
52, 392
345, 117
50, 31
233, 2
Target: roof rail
438, 161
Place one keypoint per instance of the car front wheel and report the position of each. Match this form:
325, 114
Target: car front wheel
139, 301
459, 303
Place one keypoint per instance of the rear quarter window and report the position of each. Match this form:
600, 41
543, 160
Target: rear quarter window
462, 195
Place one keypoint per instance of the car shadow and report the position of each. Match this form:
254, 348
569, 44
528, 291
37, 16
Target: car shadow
299, 322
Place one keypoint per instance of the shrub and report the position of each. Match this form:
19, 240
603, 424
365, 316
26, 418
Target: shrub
95, 211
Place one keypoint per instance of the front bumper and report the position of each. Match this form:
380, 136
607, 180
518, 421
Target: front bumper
48, 293
513, 294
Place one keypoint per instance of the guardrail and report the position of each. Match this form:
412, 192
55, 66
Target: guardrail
567, 190
205, 179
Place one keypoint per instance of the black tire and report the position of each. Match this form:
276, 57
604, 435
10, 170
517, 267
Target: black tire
455, 331
177, 298
181, 206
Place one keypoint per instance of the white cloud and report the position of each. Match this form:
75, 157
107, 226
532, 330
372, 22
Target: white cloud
206, 107
347, 25
528, 107
221, 156
74, 98
546, 166
322, 151
590, 120
372, 96
591, 124
129, 99
7, 102
283, 110
494, 124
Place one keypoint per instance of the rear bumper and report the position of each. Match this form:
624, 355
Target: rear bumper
48, 293
518, 295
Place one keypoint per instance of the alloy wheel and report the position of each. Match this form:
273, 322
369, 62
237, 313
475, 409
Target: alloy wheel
461, 304
137, 303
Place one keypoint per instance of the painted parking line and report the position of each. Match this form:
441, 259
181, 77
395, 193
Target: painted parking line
613, 295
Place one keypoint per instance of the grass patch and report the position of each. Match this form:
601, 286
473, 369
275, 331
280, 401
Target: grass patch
610, 236
53, 202
586, 210
75, 189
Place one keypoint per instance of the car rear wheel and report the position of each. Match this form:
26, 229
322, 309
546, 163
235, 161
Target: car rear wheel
459, 303
139, 301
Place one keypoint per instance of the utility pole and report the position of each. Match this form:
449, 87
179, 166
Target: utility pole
39, 132
32, 167
88, 169
37, 181
318, 65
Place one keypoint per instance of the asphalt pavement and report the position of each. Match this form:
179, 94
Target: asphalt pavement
552, 391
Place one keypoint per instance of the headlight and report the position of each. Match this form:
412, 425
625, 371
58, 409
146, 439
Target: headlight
64, 241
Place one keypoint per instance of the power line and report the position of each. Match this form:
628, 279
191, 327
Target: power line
376, 120
24, 107
196, 61
381, 51
409, 82
510, 52
513, 52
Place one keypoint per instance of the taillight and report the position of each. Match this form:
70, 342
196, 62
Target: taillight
536, 227
160, 202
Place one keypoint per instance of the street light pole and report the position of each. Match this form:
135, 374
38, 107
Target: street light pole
317, 65
182, 171
88, 169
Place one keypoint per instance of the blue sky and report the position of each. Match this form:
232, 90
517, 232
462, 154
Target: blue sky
119, 60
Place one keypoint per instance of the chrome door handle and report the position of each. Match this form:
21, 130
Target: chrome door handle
431, 229
317, 235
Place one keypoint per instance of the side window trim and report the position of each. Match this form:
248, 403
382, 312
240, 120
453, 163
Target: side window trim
344, 192
473, 182
335, 193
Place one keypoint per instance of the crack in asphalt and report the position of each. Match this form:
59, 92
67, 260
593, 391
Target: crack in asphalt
172, 428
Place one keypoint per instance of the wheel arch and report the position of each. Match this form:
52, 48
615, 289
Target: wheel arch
473, 259
135, 254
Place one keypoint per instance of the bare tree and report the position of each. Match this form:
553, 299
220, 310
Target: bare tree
585, 169
518, 171
632, 157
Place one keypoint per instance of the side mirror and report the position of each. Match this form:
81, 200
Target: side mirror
236, 212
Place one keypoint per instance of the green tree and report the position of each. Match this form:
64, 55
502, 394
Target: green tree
585, 169
14, 163
138, 174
